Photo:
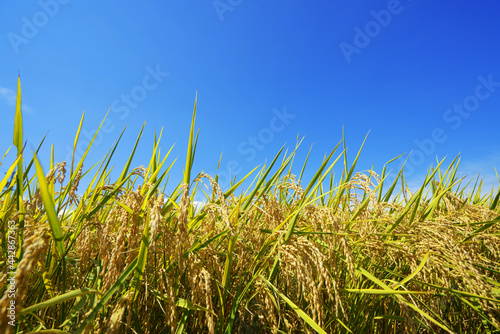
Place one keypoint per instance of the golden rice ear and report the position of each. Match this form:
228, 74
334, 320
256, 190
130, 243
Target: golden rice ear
34, 248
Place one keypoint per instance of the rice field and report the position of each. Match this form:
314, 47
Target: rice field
275, 253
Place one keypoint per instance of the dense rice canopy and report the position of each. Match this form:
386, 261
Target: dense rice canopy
276, 254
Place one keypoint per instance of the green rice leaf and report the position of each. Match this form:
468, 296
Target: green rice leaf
56, 300
48, 202
190, 305
190, 151
9, 172
18, 142
483, 228
419, 268
121, 279
299, 311
123, 175
18, 120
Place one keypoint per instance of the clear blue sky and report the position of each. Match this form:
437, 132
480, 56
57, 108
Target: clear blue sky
419, 75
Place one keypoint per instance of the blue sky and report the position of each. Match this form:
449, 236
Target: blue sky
421, 76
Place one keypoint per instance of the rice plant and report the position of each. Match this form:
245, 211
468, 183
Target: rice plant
274, 253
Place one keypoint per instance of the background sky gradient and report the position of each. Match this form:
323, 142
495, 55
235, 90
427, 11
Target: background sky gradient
417, 75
